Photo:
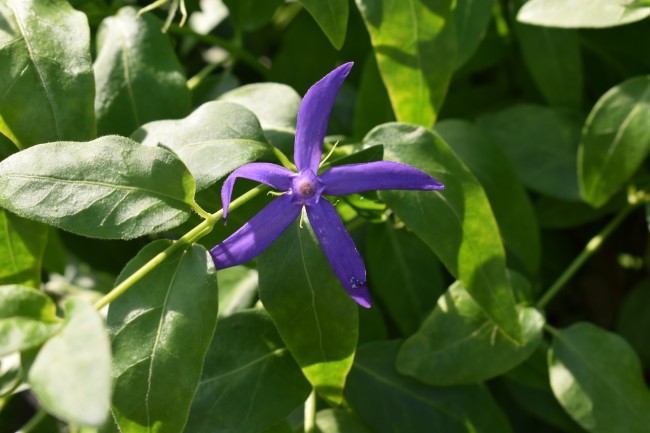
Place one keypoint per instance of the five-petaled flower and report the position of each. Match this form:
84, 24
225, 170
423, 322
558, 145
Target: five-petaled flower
306, 188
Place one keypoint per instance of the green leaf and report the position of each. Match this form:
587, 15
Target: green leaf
458, 344
331, 16
27, 318
276, 107
388, 402
22, 244
11, 375
581, 13
373, 105
491, 167
71, 375
541, 143
404, 275
161, 329
107, 188
559, 214
249, 380
554, 61
47, 76
314, 315
597, 378
251, 14
137, 75
472, 18
415, 46
634, 320
338, 421
214, 140
457, 223
615, 140
237, 289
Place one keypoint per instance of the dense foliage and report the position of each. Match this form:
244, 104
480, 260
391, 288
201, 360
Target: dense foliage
514, 300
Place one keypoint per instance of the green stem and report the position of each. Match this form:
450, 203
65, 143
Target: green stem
310, 413
282, 157
194, 82
185, 241
592, 246
33, 422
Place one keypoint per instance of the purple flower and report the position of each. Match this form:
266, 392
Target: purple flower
306, 188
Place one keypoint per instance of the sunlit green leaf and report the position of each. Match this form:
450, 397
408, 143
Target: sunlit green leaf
22, 244
581, 13
338, 421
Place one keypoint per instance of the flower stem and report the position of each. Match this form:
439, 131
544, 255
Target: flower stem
185, 241
310, 413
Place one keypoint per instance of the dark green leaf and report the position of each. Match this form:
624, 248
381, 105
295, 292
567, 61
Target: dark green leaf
373, 105
634, 320
331, 16
251, 14
27, 318
71, 375
214, 140
22, 244
581, 13
457, 223
46, 81
107, 188
404, 274
472, 18
542, 145
314, 315
249, 380
458, 344
559, 214
389, 402
338, 421
137, 75
237, 289
161, 329
508, 198
615, 139
597, 378
415, 46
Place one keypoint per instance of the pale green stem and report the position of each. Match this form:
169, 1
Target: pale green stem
310, 413
33, 422
185, 241
282, 157
194, 82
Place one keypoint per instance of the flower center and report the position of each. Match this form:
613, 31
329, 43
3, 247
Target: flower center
306, 187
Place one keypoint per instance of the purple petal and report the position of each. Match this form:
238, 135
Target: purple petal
354, 178
257, 234
313, 118
270, 174
340, 250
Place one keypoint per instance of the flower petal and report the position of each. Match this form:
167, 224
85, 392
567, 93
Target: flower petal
257, 234
354, 178
313, 117
340, 250
270, 174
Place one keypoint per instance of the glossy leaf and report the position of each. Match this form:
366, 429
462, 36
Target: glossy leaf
615, 140
314, 315
597, 378
71, 375
22, 244
331, 16
634, 320
471, 18
581, 13
456, 223
161, 329
251, 14
388, 402
404, 274
530, 134
214, 140
237, 289
249, 380
47, 75
338, 421
137, 75
27, 318
508, 198
107, 188
415, 46
458, 344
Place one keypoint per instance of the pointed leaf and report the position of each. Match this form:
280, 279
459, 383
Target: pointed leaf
314, 315
71, 373
472, 18
581, 13
161, 329
107, 188
249, 380
457, 223
331, 16
415, 46
615, 140
22, 244
388, 402
137, 75
458, 344
597, 378
47, 75
214, 140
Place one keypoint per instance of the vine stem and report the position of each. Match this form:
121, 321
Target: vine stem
185, 241
310, 413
